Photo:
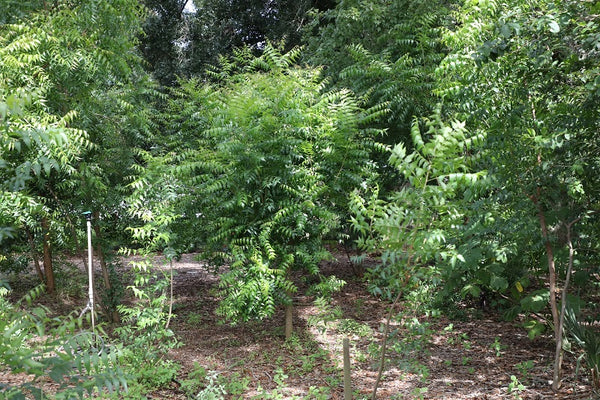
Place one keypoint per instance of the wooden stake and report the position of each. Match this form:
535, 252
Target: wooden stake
347, 377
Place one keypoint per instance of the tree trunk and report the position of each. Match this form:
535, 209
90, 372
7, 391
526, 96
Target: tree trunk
49, 271
34, 255
384, 341
100, 254
556, 378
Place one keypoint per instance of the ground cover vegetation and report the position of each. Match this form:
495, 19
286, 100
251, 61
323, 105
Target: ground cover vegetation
448, 149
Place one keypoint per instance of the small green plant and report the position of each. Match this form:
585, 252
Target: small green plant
334, 379
419, 393
195, 319
234, 384
589, 341
359, 355
458, 338
327, 287
359, 307
157, 374
310, 361
413, 340
497, 346
195, 379
327, 313
293, 343
145, 331
39, 346
318, 393
213, 390
280, 377
515, 387
466, 345
525, 369
278, 393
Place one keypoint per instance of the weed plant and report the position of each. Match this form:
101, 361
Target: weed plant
41, 347
145, 332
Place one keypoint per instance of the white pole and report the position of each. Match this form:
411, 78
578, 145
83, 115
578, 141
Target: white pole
88, 216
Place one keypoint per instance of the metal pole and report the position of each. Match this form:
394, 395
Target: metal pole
88, 217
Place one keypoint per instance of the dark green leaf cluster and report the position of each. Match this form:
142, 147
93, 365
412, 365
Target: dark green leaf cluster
71, 88
525, 74
385, 52
182, 42
420, 224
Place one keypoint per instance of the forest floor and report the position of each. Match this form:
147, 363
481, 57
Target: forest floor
430, 358
478, 356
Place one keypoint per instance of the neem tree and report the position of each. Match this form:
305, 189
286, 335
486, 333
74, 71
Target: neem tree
267, 175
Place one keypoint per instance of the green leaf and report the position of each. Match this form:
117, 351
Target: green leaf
472, 290
534, 328
536, 301
60, 369
498, 283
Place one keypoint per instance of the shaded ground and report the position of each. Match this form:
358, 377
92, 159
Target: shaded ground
434, 358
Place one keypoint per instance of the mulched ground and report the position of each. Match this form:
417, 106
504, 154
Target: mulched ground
464, 359
446, 359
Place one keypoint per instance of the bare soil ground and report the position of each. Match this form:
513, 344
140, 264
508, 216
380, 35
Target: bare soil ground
438, 358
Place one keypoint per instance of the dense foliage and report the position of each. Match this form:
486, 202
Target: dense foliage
272, 157
456, 142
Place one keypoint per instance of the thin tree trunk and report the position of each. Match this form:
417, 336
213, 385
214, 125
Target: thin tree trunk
384, 341
100, 253
556, 378
34, 255
171, 294
48, 256
563, 299
289, 312
103, 266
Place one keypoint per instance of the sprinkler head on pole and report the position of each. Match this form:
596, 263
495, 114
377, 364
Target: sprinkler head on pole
88, 215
